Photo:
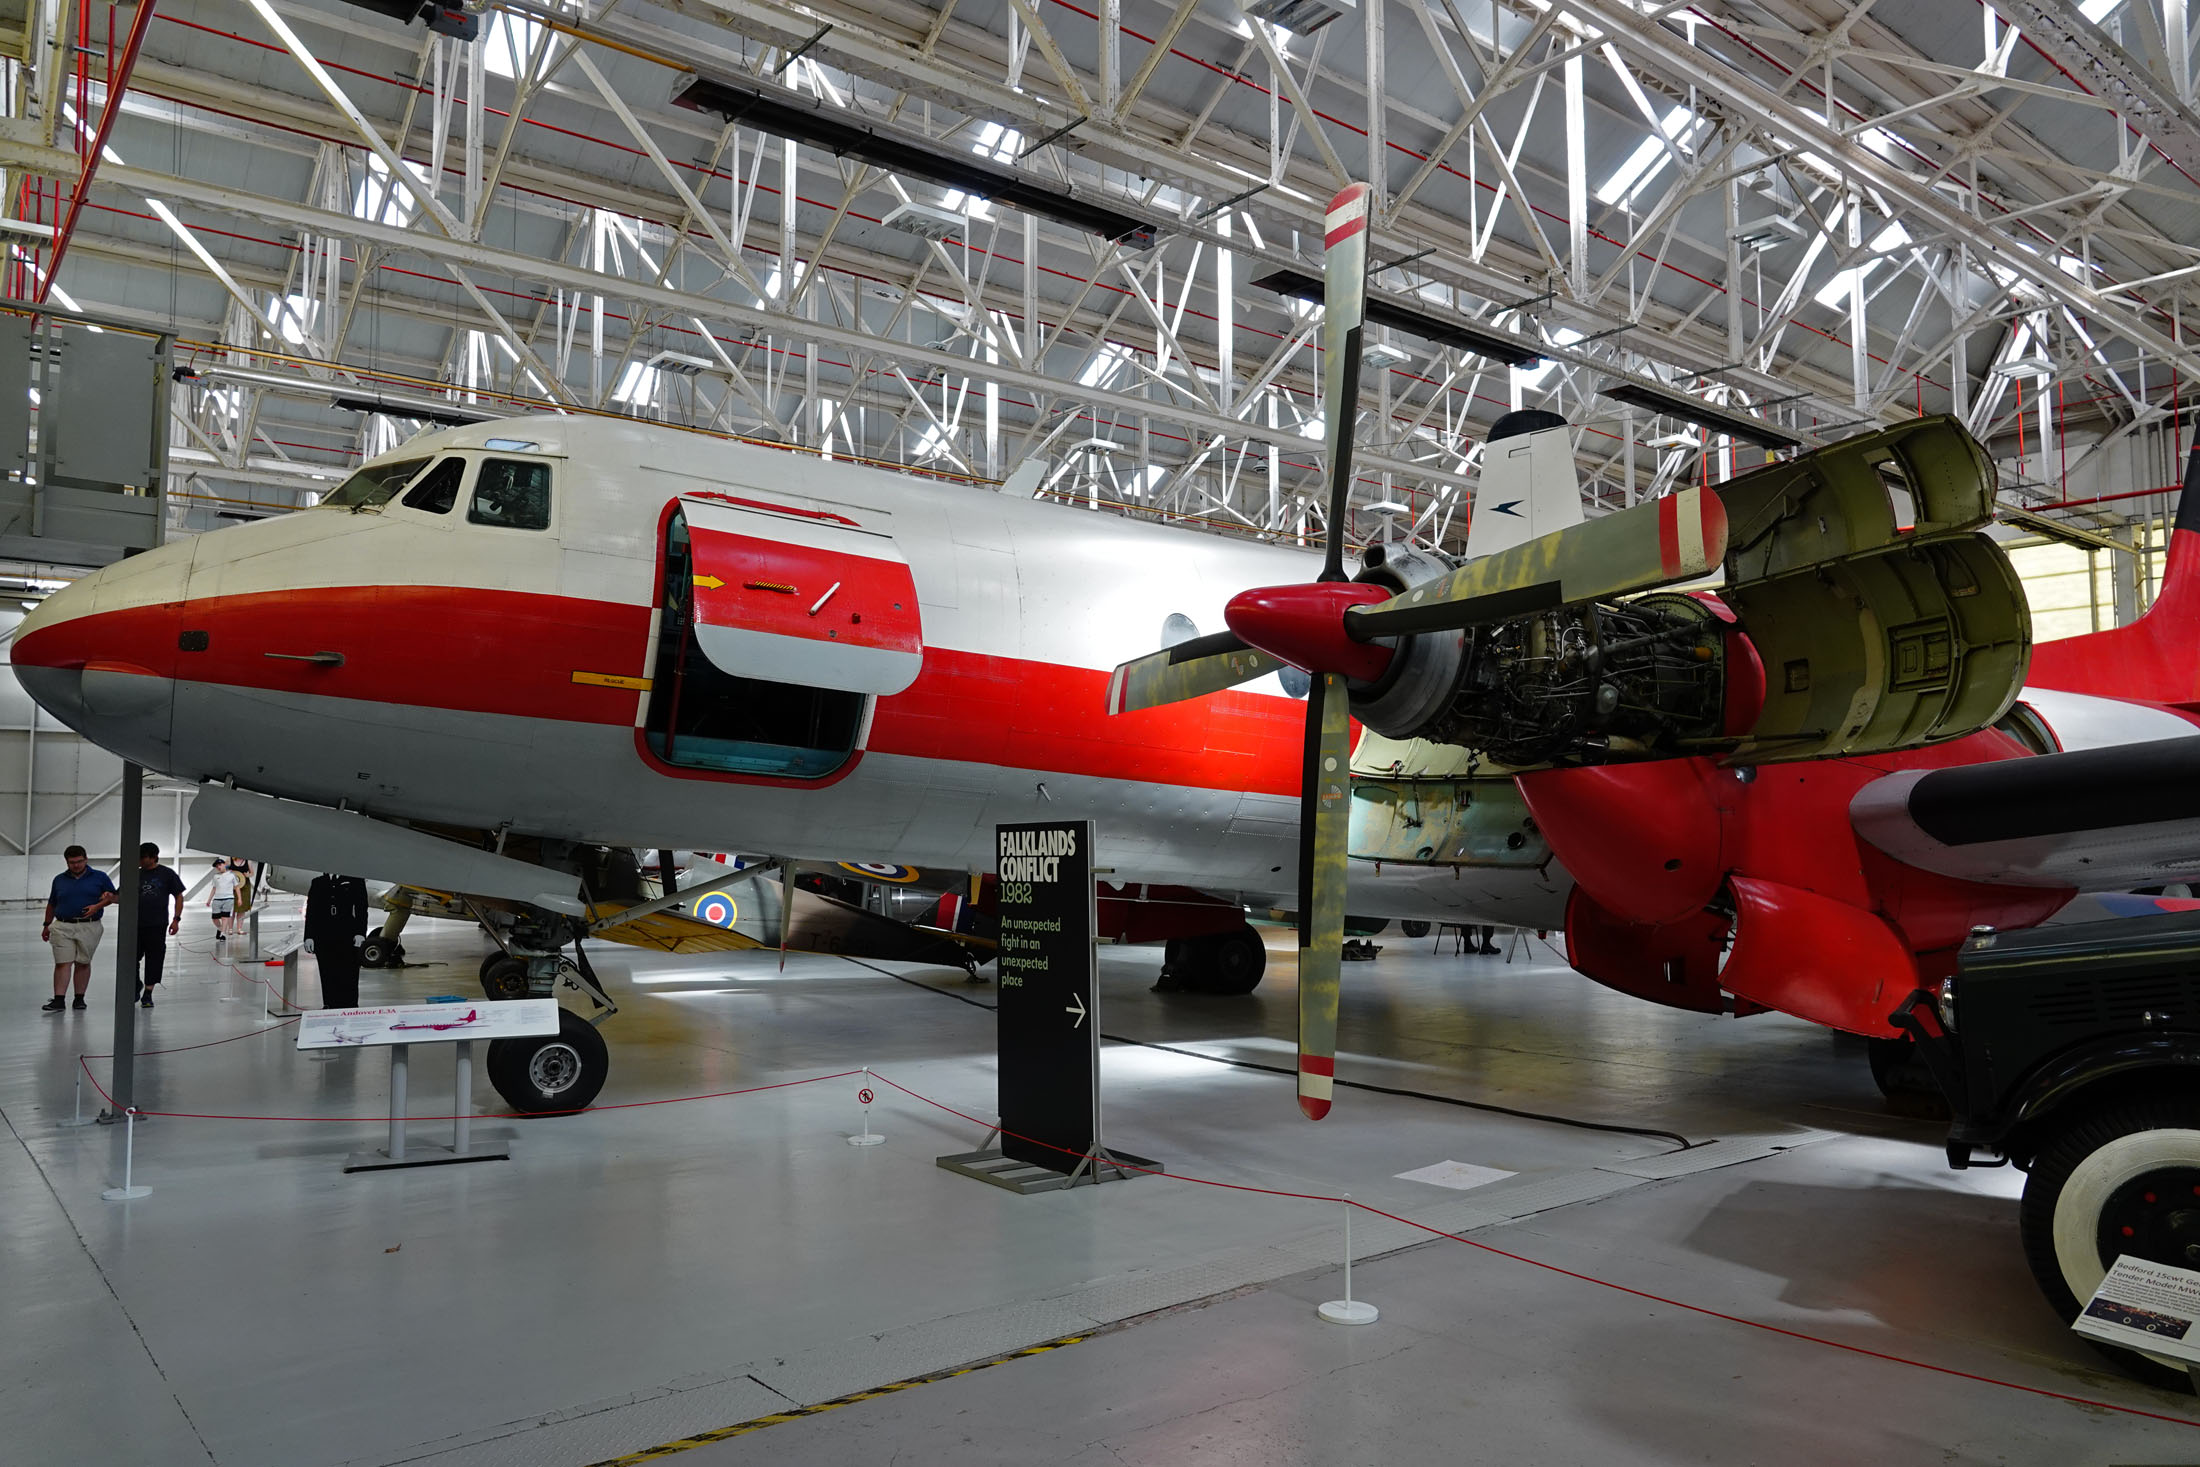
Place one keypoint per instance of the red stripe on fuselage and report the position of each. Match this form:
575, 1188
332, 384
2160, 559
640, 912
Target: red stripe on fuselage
514, 653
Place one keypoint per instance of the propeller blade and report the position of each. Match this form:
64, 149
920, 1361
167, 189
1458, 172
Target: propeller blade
1655, 543
1325, 818
1344, 263
1187, 670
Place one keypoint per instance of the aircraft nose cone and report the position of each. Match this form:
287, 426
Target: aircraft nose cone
99, 654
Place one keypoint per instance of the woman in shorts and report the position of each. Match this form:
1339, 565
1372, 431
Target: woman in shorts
221, 897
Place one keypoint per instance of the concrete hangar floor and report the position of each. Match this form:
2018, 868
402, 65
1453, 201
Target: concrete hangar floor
688, 1277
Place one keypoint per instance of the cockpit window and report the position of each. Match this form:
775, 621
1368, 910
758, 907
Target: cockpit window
373, 485
437, 489
513, 493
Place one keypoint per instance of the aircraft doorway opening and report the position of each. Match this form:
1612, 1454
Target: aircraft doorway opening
702, 717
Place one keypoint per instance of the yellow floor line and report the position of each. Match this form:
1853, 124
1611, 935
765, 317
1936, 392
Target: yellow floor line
758, 1423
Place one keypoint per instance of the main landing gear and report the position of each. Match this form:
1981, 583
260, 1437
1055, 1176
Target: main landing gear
551, 1074
1223, 963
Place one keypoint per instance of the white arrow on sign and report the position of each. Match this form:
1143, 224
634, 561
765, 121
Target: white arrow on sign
1076, 1006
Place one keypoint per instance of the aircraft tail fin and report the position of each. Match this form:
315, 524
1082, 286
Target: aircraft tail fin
2155, 659
1527, 488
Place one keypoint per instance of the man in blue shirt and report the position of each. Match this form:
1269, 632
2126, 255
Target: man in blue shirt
80, 896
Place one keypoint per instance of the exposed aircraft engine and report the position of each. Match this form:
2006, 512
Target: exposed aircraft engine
1636, 679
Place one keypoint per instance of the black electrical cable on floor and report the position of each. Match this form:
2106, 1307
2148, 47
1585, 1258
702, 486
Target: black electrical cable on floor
1680, 1142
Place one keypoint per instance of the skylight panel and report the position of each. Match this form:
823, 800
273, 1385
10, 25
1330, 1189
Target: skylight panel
1649, 158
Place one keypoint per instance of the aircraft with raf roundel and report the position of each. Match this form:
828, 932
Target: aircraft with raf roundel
498, 661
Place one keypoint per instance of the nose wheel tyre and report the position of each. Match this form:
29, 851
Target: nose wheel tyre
550, 1074
2124, 1178
503, 977
380, 952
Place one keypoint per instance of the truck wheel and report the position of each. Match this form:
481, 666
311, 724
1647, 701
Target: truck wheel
2123, 1178
551, 1073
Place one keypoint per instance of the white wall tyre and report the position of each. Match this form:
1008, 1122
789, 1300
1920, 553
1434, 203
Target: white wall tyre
2121, 1178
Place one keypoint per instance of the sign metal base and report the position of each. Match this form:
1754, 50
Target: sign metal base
1026, 1178
419, 1153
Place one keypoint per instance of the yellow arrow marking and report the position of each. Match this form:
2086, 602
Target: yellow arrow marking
711, 582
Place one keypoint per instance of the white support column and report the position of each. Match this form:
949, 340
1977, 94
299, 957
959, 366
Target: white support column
1378, 137
1577, 179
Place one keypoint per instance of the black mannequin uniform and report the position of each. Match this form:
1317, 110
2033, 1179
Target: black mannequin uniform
336, 923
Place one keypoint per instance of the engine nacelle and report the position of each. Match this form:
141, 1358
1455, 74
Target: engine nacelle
1838, 631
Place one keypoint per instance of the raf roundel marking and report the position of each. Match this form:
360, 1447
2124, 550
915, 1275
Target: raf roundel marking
718, 909
883, 871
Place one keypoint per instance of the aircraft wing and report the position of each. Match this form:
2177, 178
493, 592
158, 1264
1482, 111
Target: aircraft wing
670, 931
2095, 820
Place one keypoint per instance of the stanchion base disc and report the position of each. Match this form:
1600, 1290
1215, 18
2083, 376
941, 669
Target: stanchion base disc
1349, 1311
126, 1194
74, 1121
872, 1139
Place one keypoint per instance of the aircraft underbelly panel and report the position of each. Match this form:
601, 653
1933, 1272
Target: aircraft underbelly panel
816, 602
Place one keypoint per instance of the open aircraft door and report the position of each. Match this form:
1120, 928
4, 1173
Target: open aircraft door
781, 620
802, 595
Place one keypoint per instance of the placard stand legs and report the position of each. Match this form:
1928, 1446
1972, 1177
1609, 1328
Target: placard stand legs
401, 1152
1106, 1164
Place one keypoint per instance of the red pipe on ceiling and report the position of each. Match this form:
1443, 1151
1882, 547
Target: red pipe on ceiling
118, 82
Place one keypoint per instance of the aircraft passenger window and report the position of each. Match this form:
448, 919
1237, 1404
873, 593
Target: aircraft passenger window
511, 492
437, 490
372, 486
701, 717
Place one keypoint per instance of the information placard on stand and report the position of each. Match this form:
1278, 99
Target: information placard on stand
1048, 1020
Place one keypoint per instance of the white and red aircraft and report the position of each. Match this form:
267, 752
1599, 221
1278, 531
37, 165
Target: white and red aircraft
496, 654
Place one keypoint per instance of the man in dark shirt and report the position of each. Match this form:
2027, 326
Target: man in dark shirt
73, 908
159, 917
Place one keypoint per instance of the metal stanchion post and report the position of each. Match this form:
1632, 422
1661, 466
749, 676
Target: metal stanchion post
77, 1116
462, 1127
1348, 1310
400, 1055
128, 1192
863, 1098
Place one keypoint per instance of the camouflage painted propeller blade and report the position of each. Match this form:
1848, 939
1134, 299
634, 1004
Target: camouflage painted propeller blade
1325, 811
1344, 309
1187, 670
786, 908
1656, 543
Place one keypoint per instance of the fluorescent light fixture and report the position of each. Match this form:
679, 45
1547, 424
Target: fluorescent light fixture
2034, 366
1387, 506
1768, 233
926, 221
682, 364
1675, 440
1299, 17
1383, 354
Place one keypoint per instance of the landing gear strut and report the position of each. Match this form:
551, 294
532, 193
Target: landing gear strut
1225, 963
546, 1074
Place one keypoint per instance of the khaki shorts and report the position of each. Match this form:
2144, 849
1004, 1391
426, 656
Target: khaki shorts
75, 942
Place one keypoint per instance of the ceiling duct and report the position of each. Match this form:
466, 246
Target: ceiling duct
1695, 410
787, 113
1385, 310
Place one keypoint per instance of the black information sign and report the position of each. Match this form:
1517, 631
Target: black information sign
1049, 1047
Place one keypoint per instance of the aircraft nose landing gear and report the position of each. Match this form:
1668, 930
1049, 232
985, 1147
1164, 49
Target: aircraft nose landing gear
546, 1074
